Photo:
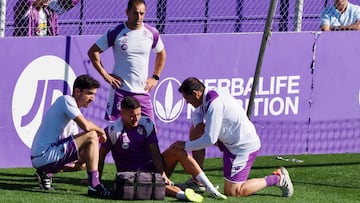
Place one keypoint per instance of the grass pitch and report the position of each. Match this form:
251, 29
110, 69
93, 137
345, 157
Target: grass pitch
320, 178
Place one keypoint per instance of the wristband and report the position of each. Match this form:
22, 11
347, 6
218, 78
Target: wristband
156, 77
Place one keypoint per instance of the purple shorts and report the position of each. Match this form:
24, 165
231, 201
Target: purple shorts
237, 168
57, 156
114, 104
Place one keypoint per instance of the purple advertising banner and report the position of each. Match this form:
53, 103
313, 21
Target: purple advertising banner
307, 100
335, 111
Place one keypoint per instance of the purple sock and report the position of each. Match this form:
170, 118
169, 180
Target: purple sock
93, 178
272, 180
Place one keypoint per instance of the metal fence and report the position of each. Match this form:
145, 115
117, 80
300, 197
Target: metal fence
92, 17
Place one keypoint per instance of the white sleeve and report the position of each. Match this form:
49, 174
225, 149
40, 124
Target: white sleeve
197, 116
214, 118
159, 46
102, 42
357, 13
324, 17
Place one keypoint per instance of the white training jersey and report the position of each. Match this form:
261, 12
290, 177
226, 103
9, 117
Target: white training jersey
57, 123
226, 121
131, 49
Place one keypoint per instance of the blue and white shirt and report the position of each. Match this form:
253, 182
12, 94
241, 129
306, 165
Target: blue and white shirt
332, 17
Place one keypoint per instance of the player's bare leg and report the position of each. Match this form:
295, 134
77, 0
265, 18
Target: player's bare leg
244, 189
174, 155
195, 133
279, 178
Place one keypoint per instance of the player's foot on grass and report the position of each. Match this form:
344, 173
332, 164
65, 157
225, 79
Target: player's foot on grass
214, 194
191, 196
45, 182
192, 183
285, 183
99, 191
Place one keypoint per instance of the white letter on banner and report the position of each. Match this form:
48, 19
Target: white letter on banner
280, 83
248, 86
261, 90
207, 83
293, 83
272, 106
237, 87
224, 84
294, 106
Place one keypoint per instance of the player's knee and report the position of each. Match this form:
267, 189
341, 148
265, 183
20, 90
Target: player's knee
92, 136
236, 190
243, 191
197, 131
173, 153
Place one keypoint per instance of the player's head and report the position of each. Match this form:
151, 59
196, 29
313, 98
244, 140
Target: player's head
84, 90
86, 82
192, 90
136, 12
131, 3
130, 112
339, 3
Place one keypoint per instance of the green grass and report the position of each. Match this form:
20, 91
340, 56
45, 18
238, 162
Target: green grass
320, 178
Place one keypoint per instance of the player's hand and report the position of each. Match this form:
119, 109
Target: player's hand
150, 83
113, 80
167, 180
101, 135
102, 139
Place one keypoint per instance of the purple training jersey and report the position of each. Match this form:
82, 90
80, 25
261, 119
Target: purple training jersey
129, 147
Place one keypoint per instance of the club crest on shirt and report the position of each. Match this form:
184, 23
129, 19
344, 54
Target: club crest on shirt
124, 47
140, 131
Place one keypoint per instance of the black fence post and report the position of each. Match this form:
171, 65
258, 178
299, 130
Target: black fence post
239, 8
284, 15
161, 16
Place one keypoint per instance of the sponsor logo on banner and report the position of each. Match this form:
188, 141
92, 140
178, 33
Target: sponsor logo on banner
39, 85
168, 102
275, 96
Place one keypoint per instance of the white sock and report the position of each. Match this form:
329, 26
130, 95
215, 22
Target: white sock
204, 180
180, 195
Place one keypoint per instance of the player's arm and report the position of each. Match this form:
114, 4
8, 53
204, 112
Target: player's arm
213, 119
94, 56
158, 161
159, 66
160, 62
325, 20
325, 28
354, 26
156, 157
88, 126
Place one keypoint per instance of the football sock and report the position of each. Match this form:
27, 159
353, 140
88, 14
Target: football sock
180, 195
272, 180
205, 181
93, 178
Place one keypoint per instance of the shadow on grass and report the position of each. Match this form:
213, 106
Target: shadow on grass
327, 185
10, 181
285, 164
28, 182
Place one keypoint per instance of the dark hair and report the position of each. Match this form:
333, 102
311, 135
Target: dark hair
85, 82
131, 3
191, 84
130, 102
